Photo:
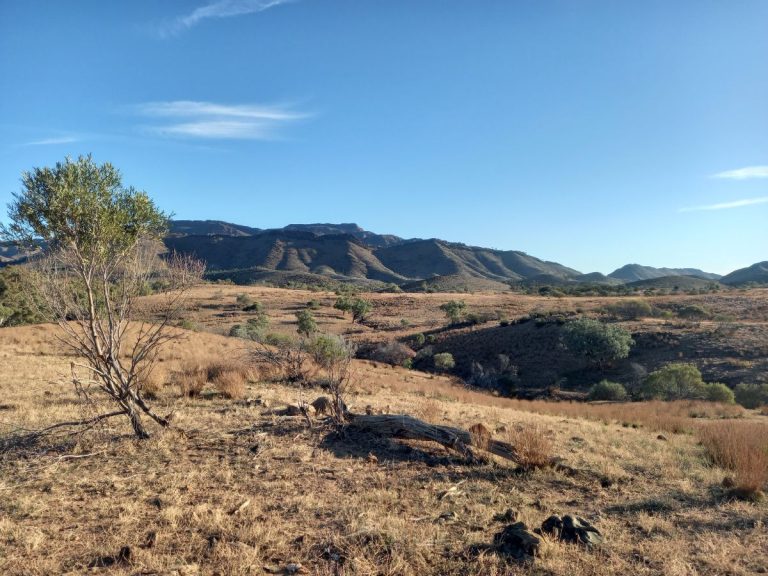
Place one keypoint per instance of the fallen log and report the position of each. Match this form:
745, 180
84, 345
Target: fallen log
410, 428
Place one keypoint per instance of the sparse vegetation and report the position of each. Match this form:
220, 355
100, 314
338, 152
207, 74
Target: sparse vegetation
454, 310
597, 342
610, 391
444, 361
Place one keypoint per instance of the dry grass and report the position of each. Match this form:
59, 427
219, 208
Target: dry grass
741, 447
321, 500
533, 444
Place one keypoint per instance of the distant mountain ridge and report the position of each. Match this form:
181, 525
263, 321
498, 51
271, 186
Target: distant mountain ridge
757, 273
311, 252
635, 272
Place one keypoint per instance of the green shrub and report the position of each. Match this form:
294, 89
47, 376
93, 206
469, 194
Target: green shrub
306, 323
599, 343
751, 395
257, 307
605, 390
719, 392
454, 310
675, 382
244, 300
444, 361
419, 339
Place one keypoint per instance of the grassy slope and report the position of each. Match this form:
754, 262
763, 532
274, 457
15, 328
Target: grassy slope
657, 501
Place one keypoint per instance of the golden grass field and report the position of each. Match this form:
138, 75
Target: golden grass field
234, 489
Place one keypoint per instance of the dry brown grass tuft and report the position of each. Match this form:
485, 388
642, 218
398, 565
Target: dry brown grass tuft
154, 382
533, 445
741, 447
764, 410
231, 383
191, 378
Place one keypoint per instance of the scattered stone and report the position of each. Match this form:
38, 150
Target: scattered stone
508, 515
571, 529
661, 437
447, 518
323, 405
122, 557
517, 541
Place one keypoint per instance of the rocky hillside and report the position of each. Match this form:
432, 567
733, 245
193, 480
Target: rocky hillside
757, 273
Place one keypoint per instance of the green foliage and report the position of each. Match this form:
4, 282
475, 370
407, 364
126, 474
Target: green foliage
313, 305
306, 324
244, 300
84, 205
675, 381
329, 349
360, 309
751, 395
19, 303
343, 303
606, 390
630, 309
454, 310
419, 339
444, 361
253, 329
599, 343
719, 392
257, 307
693, 312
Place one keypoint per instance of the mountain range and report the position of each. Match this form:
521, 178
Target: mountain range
347, 252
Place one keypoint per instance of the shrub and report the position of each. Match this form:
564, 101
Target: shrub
253, 329
394, 353
677, 381
360, 309
454, 310
244, 300
231, 383
306, 323
419, 339
532, 444
606, 390
599, 343
444, 361
254, 307
630, 309
693, 312
191, 378
719, 392
751, 395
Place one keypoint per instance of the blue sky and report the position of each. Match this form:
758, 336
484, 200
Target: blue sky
593, 133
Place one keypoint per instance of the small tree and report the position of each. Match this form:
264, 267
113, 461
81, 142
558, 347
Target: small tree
599, 343
360, 309
454, 310
606, 390
444, 361
334, 355
306, 324
675, 381
751, 395
100, 255
719, 392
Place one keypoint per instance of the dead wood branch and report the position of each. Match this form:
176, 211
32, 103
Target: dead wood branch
410, 428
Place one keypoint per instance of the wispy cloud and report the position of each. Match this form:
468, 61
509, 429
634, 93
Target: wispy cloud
53, 141
727, 205
743, 173
218, 121
218, 10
